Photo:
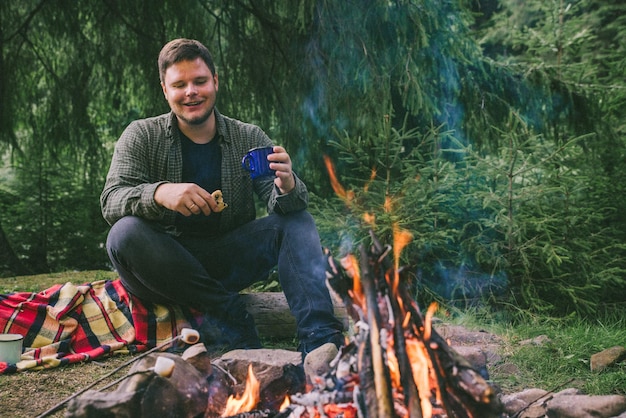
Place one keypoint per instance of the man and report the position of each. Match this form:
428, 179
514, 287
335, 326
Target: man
171, 243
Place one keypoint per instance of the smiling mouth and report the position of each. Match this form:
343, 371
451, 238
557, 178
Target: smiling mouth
191, 104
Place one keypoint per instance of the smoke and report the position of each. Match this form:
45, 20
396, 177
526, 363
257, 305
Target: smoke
365, 64
465, 283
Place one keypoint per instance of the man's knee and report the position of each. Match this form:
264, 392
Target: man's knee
301, 220
128, 231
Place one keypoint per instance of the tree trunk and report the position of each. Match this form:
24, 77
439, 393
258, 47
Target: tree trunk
10, 264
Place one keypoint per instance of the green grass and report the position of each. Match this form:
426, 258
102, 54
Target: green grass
563, 361
41, 282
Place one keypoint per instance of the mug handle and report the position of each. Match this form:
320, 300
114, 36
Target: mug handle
248, 162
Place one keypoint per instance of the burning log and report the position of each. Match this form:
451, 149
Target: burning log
381, 393
405, 368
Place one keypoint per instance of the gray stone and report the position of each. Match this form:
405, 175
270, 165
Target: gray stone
568, 403
317, 362
144, 393
279, 373
94, 404
268, 364
505, 368
516, 402
585, 406
607, 358
539, 340
479, 348
457, 335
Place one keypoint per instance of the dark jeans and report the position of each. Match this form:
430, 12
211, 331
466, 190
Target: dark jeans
207, 273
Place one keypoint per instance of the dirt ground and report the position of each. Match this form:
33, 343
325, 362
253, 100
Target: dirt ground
30, 393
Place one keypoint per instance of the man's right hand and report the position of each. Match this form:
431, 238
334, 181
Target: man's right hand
185, 198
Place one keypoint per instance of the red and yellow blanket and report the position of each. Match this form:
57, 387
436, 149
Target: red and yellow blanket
68, 324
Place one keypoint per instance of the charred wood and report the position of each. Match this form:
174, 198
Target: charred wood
322, 398
256, 414
220, 387
377, 340
366, 397
451, 386
386, 274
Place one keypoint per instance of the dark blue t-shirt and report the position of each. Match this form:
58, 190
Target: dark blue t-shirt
202, 164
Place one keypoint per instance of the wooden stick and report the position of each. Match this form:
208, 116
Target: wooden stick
411, 393
382, 380
111, 373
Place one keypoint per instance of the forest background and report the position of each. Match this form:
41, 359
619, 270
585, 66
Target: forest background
493, 131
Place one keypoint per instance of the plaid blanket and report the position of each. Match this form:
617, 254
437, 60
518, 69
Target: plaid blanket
68, 324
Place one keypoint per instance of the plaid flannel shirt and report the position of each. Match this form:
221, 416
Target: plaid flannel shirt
148, 153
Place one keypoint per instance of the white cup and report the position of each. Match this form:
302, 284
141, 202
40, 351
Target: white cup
10, 348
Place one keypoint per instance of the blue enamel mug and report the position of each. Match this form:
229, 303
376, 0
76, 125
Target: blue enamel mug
255, 162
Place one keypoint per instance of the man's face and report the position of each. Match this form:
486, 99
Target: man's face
190, 89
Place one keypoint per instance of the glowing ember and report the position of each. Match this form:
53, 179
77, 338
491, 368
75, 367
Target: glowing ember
248, 400
340, 411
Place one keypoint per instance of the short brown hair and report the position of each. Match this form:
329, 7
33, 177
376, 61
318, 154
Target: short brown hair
183, 49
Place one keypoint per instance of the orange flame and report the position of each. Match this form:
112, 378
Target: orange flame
421, 367
388, 205
347, 196
369, 218
372, 177
401, 238
351, 265
422, 370
248, 400
285, 403
392, 363
421, 364
338, 410
428, 320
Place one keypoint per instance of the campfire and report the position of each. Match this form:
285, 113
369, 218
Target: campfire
395, 364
